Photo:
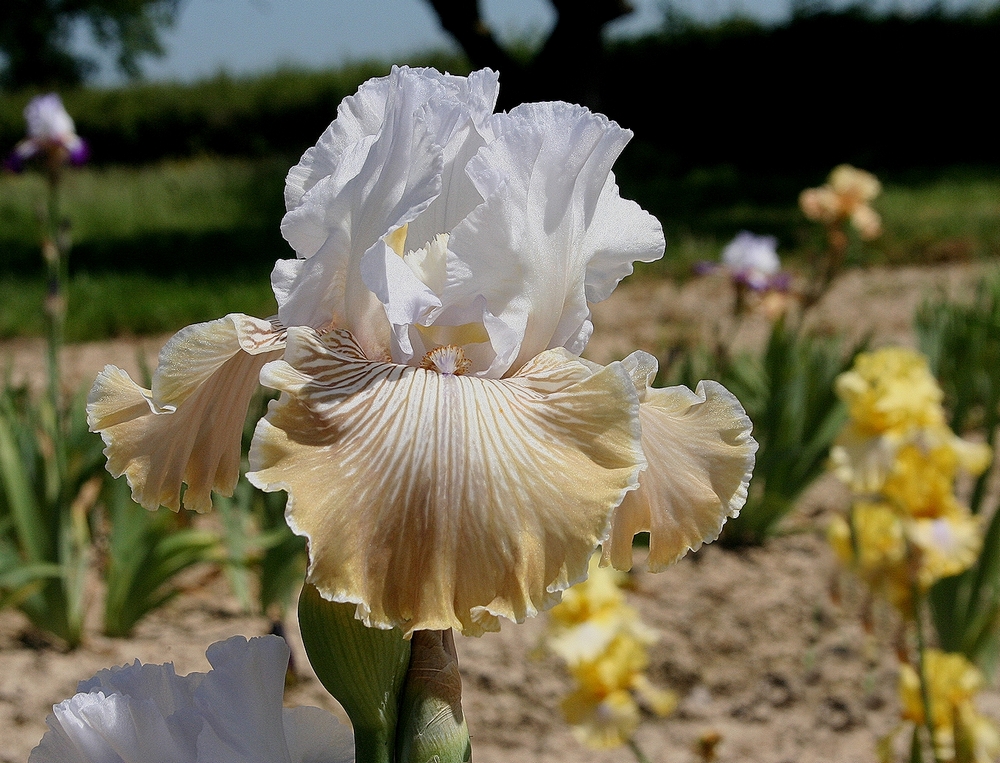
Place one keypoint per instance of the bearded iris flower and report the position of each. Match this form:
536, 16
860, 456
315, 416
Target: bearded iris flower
753, 260
901, 461
961, 732
51, 132
446, 451
606, 649
845, 196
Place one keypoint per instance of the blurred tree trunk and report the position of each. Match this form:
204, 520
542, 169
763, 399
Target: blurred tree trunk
568, 66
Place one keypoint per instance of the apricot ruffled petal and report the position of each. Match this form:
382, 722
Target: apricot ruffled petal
188, 428
700, 454
438, 501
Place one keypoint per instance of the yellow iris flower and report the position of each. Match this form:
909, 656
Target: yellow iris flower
961, 733
605, 646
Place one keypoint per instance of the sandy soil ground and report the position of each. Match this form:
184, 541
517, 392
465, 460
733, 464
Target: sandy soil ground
753, 642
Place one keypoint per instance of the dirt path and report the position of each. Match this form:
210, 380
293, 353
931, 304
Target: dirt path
752, 641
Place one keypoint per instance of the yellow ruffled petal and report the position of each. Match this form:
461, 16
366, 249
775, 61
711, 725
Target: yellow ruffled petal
700, 456
863, 461
661, 701
952, 684
949, 545
974, 457
187, 429
436, 501
603, 721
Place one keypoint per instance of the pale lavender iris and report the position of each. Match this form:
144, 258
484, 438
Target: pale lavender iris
752, 260
51, 131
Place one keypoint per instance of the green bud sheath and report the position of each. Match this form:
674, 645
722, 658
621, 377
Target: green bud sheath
363, 668
432, 726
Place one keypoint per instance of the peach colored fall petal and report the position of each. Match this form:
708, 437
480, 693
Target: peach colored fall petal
700, 454
437, 500
867, 222
188, 428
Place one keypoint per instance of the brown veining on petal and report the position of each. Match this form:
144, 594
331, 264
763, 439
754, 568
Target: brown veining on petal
436, 501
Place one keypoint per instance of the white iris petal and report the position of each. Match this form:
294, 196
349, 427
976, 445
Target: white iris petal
368, 178
552, 233
449, 458
232, 714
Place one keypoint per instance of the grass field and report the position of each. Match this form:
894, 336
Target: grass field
161, 246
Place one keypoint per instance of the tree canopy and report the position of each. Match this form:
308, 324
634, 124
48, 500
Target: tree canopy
566, 67
35, 37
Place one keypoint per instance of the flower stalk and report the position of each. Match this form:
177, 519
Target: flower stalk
842, 200
363, 668
925, 694
640, 756
54, 253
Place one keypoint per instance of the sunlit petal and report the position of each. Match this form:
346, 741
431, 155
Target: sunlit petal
862, 461
231, 714
700, 454
553, 233
106, 728
437, 501
188, 427
396, 153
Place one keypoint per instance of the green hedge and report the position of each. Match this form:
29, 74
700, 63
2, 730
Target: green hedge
279, 113
886, 92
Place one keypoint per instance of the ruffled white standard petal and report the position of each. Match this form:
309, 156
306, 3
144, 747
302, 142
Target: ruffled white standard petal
47, 118
700, 454
188, 427
243, 732
170, 694
395, 152
553, 233
261, 730
232, 714
435, 501
361, 117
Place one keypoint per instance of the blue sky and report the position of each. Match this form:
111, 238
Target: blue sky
245, 36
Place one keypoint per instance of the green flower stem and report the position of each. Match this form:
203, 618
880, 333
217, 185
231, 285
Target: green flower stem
55, 314
640, 756
363, 668
925, 695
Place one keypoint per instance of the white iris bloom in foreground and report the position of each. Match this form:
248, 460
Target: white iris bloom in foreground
231, 714
446, 452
